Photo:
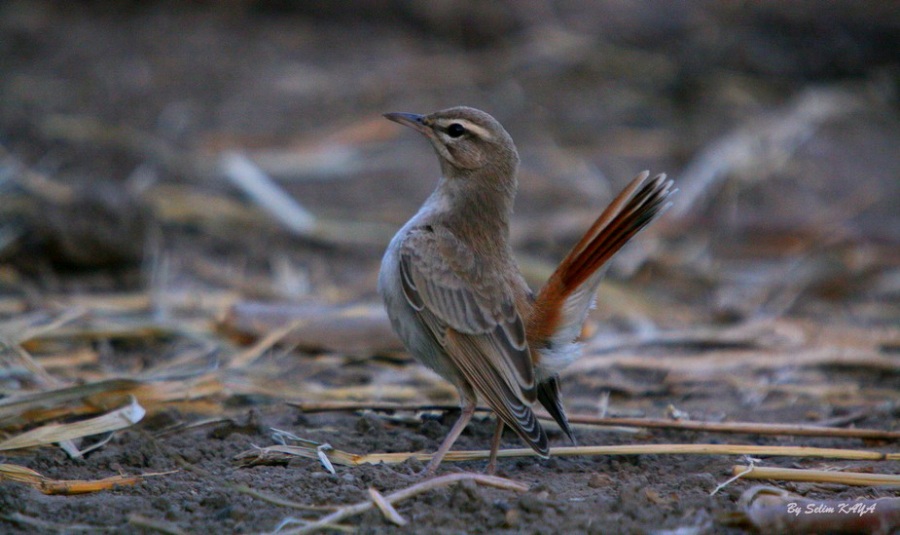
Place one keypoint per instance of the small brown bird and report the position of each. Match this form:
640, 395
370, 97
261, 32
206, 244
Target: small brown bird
456, 297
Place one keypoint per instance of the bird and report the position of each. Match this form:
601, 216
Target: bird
457, 299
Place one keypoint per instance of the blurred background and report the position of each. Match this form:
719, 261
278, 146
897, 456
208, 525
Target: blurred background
195, 156
778, 120
181, 179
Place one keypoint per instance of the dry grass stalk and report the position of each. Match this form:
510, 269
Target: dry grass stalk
387, 510
383, 406
192, 300
360, 329
715, 365
20, 474
687, 425
14, 353
14, 334
194, 393
773, 337
30, 407
51, 433
737, 427
251, 354
281, 452
816, 476
246, 175
146, 331
404, 494
210, 301
104, 323
363, 391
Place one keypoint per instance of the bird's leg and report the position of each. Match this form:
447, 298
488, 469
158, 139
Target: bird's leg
468, 410
495, 447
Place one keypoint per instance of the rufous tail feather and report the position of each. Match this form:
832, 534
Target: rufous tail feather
635, 207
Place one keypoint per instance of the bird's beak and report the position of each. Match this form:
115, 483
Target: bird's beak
412, 120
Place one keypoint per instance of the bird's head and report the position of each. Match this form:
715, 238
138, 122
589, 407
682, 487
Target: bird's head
466, 140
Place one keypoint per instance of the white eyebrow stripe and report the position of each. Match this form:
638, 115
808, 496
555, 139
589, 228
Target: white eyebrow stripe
469, 126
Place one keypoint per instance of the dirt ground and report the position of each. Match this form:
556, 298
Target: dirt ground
133, 267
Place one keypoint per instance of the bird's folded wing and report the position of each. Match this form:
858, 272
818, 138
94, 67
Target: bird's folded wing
471, 355
473, 316
440, 274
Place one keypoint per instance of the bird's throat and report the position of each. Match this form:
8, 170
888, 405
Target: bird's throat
477, 213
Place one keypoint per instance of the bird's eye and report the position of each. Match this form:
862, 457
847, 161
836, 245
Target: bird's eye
456, 130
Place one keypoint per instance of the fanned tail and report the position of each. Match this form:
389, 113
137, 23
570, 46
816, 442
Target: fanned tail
562, 304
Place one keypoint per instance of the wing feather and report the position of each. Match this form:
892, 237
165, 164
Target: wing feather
472, 314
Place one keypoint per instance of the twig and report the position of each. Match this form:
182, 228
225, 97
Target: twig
344, 458
387, 510
737, 427
816, 476
707, 363
685, 425
250, 355
246, 175
409, 492
379, 406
